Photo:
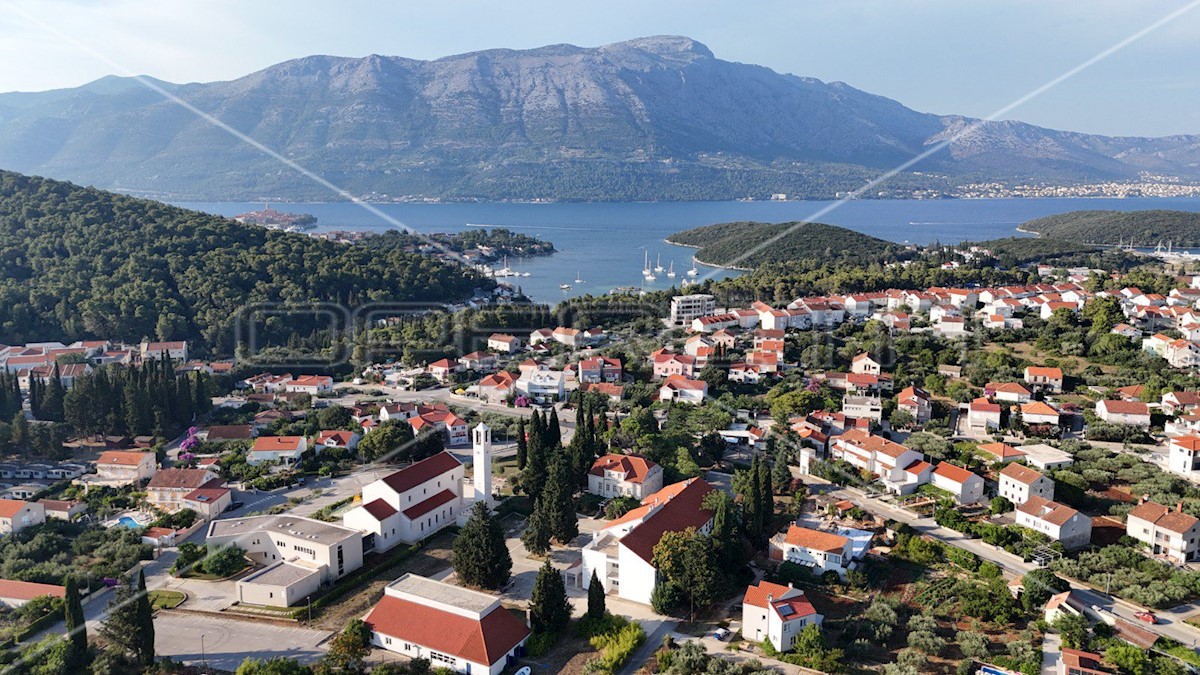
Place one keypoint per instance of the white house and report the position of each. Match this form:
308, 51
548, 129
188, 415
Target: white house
863, 363
1057, 521
14, 594
504, 343
282, 449
1010, 392
116, 468
681, 389
1169, 533
168, 489
1183, 455
628, 475
621, 553
1018, 483
863, 407
16, 515
1132, 413
776, 613
452, 627
966, 487
816, 549
902, 470
983, 415
686, 308
915, 401
1045, 379
310, 384
336, 439
410, 504
332, 550
1039, 412
541, 385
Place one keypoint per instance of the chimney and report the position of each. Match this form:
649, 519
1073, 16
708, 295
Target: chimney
1179, 506
1145, 498
770, 598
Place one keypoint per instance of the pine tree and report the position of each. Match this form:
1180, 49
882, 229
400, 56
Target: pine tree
145, 620
76, 626
549, 611
537, 533
595, 606
521, 444
20, 431
480, 556
780, 476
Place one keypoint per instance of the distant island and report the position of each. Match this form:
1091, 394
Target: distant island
736, 245
278, 220
1180, 229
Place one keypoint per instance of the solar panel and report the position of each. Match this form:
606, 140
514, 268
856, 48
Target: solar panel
784, 610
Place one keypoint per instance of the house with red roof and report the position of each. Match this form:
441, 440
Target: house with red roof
1007, 391
410, 504
1168, 532
13, 593
681, 389
443, 369
480, 362
209, 500
667, 364
1183, 455
17, 514
504, 343
902, 470
1131, 413
336, 438
776, 613
628, 475
309, 384
600, 369
1058, 521
441, 419
916, 402
454, 628
168, 489
1040, 412
621, 553
116, 468
966, 487
1045, 379
983, 415
281, 449
819, 550
497, 387
1018, 483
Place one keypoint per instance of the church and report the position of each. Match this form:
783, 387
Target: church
421, 499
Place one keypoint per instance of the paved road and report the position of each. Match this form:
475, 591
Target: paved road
1051, 653
224, 644
1171, 620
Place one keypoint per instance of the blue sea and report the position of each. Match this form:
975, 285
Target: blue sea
604, 244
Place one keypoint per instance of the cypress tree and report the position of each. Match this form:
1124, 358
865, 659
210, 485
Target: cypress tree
76, 626
752, 502
145, 622
765, 492
52, 402
549, 610
521, 444
559, 501
553, 432
536, 459
536, 536
595, 607
480, 557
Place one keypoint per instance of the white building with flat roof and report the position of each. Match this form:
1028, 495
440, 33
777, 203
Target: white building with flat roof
685, 308
333, 550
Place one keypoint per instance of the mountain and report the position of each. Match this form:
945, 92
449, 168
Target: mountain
746, 245
652, 118
1143, 228
78, 263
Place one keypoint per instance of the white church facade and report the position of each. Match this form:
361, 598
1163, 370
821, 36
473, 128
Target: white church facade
421, 499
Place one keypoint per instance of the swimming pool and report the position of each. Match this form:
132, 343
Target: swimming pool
128, 521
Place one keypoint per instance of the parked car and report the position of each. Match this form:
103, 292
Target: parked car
722, 634
1148, 617
234, 506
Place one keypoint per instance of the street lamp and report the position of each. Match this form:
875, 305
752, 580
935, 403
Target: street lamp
203, 658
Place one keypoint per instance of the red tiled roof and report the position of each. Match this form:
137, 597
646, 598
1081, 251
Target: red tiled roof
1021, 474
28, 590
379, 509
230, 432
11, 507
634, 468
1125, 407
180, 478
815, 539
1044, 509
680, 507
418, 510
756, 596
337, 436
277, 443
953, 472
209, 492
484, 641
1161, 516
411, 476
1001, 450
123, 457
1042, 371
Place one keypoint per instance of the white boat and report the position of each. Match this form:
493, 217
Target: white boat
693, 272
565, 287
646, 267
504, 271
658, 264
578, 279
671, 270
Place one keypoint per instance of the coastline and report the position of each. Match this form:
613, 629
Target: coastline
706, 263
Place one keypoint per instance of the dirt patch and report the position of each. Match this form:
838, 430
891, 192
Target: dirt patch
434, 557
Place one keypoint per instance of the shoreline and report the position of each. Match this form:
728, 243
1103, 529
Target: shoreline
705, 263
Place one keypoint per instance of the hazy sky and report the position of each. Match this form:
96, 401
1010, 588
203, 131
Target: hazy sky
944, 56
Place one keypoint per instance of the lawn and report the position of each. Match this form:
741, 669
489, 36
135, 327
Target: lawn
166, 599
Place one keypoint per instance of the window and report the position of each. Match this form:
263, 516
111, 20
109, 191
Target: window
435, 656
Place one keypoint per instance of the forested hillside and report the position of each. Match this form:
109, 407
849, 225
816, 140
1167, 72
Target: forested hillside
738, 244
78, 262
1143, 228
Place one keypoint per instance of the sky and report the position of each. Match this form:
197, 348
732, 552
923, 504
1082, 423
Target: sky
969, 57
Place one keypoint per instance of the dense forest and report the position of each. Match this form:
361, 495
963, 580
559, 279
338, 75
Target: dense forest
500, 240
78, 262
727, 243
1143, 228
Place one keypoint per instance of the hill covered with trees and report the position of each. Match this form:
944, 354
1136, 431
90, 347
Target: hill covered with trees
1143, 228
78, 262
725, 244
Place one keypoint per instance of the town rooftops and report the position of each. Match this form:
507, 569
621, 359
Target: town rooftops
633, 468
304, 528
1172, 521
413, 475
1020, 473
816, 540
1002, 451
672, 509
28, 590
123, 457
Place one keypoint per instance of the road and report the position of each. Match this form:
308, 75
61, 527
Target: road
1171, 621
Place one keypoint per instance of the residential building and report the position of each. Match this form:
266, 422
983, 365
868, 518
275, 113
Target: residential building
443, 369
14, 594
818, 550
902, 470
776, 613
667, 364
1018, 483
168, 488
1010, 392
599, 369
310, 384
966, 487
339, 439
480, 362
439, 419
622, 552
1076, 662
504, 343
571, 337
1131, 413
863, 363
1039, 413
1045, 457
543, 386
176, 351
1183, 455
916, 402
1000, 452
63, 509
409, 505
277, 449
863, 407
686, 308
1180, 402
681, 389
332, 550
452, 627
1169, 533
496, 388
18, 514
628, 475
209, 500
1057, 521
116, 468
983, 415
1044, 379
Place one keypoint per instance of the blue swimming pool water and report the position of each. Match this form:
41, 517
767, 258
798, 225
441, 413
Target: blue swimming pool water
128, 522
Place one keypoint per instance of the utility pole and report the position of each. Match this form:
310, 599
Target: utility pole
203, 657
310, 609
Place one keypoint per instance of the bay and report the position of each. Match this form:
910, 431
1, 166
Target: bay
604, 244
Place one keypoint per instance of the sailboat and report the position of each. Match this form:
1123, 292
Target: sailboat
578, 279
693, 272
671, 270
565, 287
658, 264
646, 273
505, 271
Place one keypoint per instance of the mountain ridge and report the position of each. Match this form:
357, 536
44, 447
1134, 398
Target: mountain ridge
658, 117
